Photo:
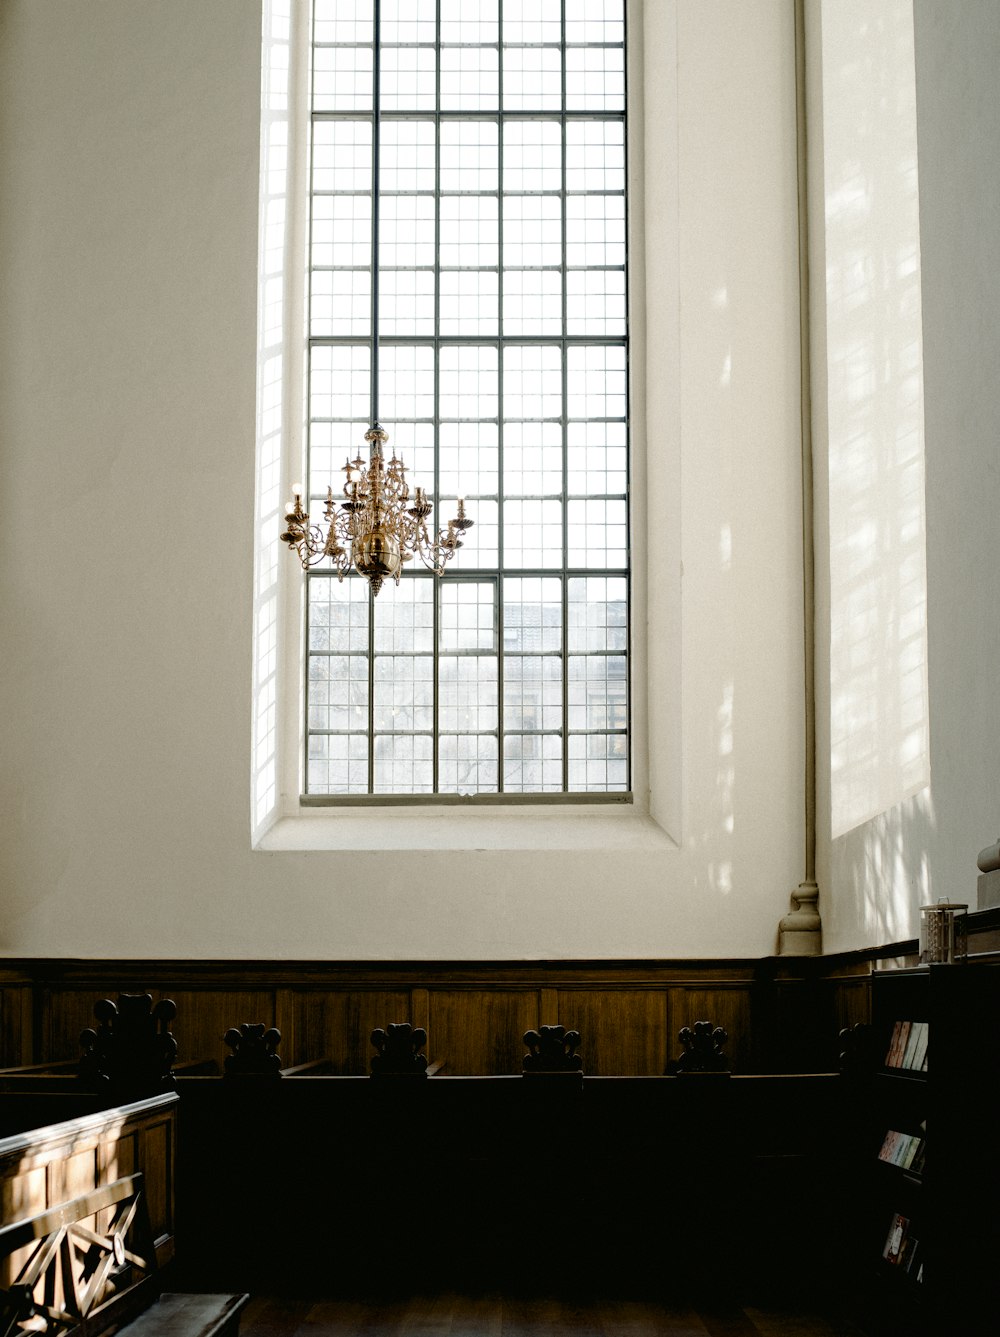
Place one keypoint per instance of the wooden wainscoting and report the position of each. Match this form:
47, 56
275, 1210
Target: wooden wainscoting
475, 1014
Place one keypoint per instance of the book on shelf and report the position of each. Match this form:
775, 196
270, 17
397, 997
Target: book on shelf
902, 1247
900, 1034
920, 1050
908, 1046
899, 1228
901, 1149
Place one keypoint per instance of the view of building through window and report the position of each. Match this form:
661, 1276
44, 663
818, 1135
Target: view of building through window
503, 379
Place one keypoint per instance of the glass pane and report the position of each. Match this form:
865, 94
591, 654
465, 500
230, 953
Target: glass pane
409, 20
406, 382
532, 692
404, 616
406, 301
532, 230
469, 231
597, 533
343, 20
532, 302
404, 764
340, 302
532, 78
468, 616
595, 230
532, 385
532, 616
342, 155
469, 382
469, 302
596, 382
532, 155
406, 230
338, 615
595, 155
404, 692
469, 457
469, 155
532, 764
595, 78
597, 692
338, 692
597, 608
470, 78
595, 21
406, 155
469, 21
339, 381
468, 688
337, 764
598, 762
532, 459
532, 21
596, 458
342, 78
595, 301
408, 78
468, 763
532, 534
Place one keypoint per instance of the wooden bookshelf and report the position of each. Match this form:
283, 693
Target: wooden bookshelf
924, 1258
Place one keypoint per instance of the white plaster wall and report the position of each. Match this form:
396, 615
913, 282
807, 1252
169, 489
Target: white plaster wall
899, 838
129, 158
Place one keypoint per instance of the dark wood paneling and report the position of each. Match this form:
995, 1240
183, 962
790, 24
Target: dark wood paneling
725, 1007
782, 1014
479, 1031
623, 1031
338, 1024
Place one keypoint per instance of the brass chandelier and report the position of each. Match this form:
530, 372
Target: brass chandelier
379, 525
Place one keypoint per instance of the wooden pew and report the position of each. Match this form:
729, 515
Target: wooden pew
53, 1159
89, 1266
641, 1185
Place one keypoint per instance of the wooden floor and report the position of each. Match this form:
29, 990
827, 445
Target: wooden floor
503, 1316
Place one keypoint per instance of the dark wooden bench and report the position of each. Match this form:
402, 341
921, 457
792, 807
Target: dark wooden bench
88, 1267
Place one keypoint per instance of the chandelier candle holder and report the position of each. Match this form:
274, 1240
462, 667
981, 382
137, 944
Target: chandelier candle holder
374, 529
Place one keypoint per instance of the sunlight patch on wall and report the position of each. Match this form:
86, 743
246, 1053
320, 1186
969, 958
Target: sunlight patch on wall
270, 406
879, 753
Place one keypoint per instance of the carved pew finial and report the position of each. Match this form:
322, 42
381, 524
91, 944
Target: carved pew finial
254, 1050
399, 1053
131, 1052
552, 1049
702, 1049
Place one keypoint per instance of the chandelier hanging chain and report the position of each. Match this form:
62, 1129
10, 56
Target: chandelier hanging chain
373, 529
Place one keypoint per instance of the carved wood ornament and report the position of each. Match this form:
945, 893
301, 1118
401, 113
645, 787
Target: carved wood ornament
552, 1049
254, 1050
399, 1048
132, 1049
702, 1049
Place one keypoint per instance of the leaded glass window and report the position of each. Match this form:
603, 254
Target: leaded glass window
503, 354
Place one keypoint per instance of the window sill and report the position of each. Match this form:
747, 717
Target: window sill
381, 829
